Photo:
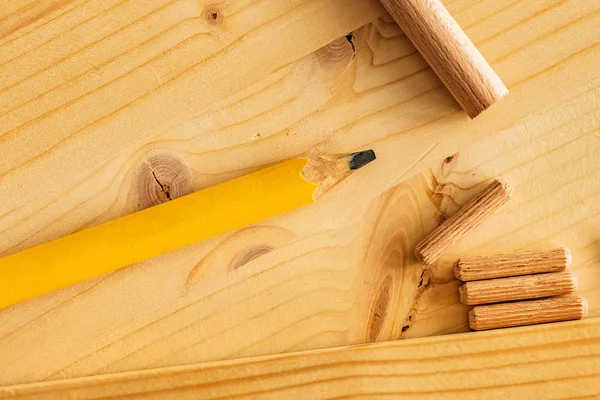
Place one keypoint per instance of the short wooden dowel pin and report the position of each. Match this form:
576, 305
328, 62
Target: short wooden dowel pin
517, 288
513, 264
530, 312
431, 248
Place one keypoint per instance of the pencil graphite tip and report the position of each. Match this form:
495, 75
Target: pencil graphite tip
361, 158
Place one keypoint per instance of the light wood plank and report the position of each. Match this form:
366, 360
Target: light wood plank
336, 273
21, 14
556, 361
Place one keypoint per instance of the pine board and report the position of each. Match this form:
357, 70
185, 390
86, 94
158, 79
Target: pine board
558, 361
96, 95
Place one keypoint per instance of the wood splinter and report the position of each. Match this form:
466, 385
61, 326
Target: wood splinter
431, 248
517, 288
531, 312
515, 264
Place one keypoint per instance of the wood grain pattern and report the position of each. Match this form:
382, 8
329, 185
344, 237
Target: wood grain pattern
24, 14
449, 52
473, 268
560, 361
517, 288
528, 312
336, 273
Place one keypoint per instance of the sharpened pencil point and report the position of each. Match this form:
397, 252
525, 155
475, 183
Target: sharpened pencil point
361, 158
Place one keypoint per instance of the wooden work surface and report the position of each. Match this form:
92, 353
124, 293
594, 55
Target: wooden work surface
561, 361
109, 106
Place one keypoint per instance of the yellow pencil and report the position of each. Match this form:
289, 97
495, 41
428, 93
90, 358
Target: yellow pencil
171, 225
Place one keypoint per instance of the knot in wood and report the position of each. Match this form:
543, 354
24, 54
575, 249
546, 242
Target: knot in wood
213, 15
158, 179
339, 52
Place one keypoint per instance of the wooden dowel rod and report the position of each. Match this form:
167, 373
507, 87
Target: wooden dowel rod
449, 52
517, 288
514, 264
530, 312
431, 248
